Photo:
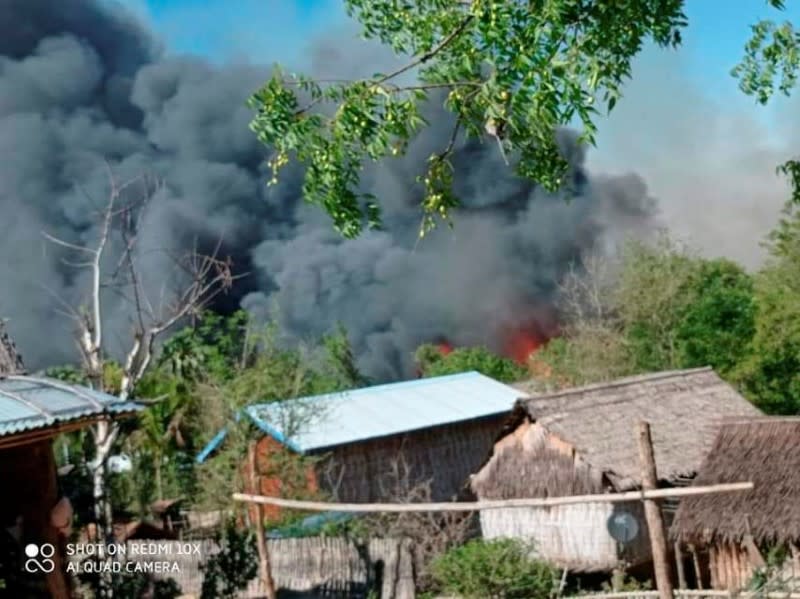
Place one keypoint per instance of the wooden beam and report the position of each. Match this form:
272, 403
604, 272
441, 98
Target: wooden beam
652, 512
679, 565
264, 569
497, 504
698, 572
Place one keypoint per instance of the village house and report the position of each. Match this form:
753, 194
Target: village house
583, 441
371, 444
33, 410
735, 531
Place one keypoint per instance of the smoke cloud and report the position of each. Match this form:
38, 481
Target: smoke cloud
89, 84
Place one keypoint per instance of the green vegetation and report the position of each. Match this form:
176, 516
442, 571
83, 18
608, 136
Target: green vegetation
229, 571
771, 373
498, 568
513, 70
203, 376
666, 308
431, 361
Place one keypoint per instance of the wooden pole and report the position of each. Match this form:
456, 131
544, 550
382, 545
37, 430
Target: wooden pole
495, 504
264, 570
698, 573
652, 511
680, 566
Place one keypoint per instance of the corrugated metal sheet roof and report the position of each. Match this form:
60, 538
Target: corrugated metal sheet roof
313, 423
29, 402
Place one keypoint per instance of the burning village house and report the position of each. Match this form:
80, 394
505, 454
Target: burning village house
582, 441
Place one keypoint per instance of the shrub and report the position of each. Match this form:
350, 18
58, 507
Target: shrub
228, 572
432, 362
497, 569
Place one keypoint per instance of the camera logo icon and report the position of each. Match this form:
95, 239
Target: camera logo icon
39, 558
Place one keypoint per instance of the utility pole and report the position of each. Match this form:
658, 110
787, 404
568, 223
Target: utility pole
652, 511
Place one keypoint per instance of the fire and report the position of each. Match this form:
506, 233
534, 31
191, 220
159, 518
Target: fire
444, 348
521, 337
521, 344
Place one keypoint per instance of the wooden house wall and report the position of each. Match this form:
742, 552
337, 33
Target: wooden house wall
446, 456
365, 471
730, 567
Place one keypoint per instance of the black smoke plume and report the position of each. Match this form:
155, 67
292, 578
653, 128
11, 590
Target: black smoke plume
82, 83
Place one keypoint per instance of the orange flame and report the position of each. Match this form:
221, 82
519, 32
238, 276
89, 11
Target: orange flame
521, 344
445, 348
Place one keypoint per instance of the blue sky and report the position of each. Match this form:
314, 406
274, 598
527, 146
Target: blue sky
280, 30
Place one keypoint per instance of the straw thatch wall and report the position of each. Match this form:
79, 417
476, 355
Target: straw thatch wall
583, 441
737, 527
308, 567
531, 462
570, 536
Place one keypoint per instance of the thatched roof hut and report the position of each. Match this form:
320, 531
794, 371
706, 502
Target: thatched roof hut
733, 526
583, 440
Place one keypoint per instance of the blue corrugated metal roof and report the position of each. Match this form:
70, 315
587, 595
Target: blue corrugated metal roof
30, 402
313, 423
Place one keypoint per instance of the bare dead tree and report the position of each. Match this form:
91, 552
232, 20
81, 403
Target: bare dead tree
431, 533
197, 280
585, 293
591, 324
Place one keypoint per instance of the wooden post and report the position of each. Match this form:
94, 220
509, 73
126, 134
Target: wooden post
652, 511
698, 573
264, 570
679, 565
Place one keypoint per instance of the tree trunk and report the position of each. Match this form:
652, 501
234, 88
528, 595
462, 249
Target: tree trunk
105, 433
157, 469
101, 514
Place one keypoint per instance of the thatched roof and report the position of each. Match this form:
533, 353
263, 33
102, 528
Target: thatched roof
598, 423
765, 451
10, 360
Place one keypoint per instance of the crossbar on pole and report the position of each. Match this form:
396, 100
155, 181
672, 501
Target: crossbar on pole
475, 506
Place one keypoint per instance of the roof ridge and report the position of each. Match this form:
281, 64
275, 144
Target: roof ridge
745, 420
384, 387
622, 382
